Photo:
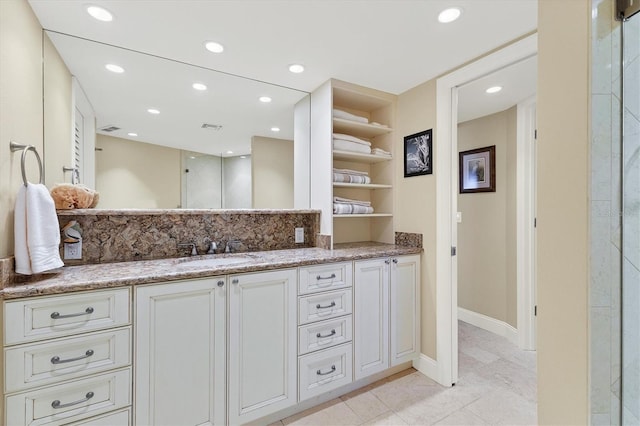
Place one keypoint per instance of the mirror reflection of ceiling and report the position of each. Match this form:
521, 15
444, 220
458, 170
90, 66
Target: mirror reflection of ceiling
122, 100
390, 45
518, 82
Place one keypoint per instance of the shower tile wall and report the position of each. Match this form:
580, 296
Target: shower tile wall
606, 263
605, 218
631, 225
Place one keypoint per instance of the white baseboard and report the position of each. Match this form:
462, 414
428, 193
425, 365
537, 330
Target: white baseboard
427, 366
493, 325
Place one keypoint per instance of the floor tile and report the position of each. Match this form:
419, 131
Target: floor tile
496, 385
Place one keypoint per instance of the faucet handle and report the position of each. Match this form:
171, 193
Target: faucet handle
194, 251
212, 247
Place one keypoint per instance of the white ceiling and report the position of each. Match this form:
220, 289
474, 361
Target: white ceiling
390, 45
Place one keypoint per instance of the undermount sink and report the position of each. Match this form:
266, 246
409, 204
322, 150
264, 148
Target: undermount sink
214, 261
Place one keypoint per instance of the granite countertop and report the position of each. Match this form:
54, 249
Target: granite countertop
111, 275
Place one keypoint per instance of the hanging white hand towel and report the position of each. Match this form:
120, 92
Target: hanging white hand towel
36, 231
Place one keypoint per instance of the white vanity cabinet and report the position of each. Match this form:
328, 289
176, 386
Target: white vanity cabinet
180, 353
386, 313
67, 359
262, 344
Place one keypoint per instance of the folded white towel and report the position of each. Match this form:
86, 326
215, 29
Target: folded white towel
338, 113
379, 151
350, 172
36, 231
341, 145
342, 208
346, 178
350, 201
351, 139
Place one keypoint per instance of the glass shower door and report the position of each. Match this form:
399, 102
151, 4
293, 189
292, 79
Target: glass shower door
630, 364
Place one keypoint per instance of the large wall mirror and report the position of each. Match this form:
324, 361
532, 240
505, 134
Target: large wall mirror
151, 132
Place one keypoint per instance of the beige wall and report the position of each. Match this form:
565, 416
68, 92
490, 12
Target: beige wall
133, 174
415, 209
271, 173
562, 233
20, 105
486, 277
57, 117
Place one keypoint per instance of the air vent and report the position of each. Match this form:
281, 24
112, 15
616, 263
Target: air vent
110, 129
215, 127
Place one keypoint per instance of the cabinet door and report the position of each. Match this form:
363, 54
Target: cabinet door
371, 317
405, 309
262, 344
180, 353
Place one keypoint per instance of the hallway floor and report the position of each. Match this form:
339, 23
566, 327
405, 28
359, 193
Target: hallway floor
496, 386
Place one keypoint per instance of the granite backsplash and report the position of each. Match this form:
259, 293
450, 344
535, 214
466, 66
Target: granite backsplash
126, 235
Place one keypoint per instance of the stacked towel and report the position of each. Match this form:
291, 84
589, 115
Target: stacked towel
36, 231
337, 113
350, 176
342, 142
380, 151
349, 206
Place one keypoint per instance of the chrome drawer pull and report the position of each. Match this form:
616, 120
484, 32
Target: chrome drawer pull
325, 278
56, 404
220, 283
56, 315
333, 332
56, 359
330, 305
395, 261
320, 373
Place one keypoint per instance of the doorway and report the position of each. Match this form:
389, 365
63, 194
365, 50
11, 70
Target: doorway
446, 197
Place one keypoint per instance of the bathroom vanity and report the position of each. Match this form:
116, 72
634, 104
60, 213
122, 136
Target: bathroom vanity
216, 339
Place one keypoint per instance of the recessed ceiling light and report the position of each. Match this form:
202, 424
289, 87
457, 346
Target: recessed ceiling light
449, 15
132, 134
114, 68
275, 129
243, 156
265, 99
229, 152
192, 157
100, 13
153, 111
296, 68
214, 47
494, 89
199, 86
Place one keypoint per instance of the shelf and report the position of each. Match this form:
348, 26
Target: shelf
352, 216
361, 185
363, 158
355, 128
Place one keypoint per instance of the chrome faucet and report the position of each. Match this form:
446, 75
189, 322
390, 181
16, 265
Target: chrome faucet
194, 251
212, 247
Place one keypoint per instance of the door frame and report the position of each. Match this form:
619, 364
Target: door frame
446, 156
525, 222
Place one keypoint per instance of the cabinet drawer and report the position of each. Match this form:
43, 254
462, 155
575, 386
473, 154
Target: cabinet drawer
325, 370
48, 317
74, 400
324, 334
325, 277
121, 418
324, 306
28, 366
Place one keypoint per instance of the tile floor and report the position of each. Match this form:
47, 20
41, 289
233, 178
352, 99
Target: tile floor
496, 386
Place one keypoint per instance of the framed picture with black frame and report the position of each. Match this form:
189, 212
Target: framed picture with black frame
477, 168
418, 154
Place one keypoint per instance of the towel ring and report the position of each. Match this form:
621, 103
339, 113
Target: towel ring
24, 148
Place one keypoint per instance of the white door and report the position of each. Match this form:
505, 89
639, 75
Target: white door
262, 344
180, 353
405, 309
371, 317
